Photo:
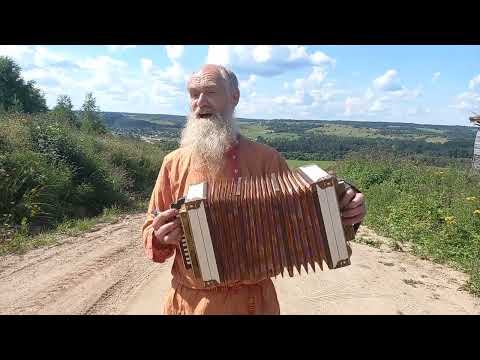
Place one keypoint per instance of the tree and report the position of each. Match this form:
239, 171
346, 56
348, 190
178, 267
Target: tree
64, 110
15, 94
90, 118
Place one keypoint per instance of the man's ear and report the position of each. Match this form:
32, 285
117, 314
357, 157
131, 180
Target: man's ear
236, 97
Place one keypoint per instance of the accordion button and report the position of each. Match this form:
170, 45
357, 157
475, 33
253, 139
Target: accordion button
235, 171
234, 157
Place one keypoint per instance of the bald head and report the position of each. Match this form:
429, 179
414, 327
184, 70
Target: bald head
227, 75
213, 89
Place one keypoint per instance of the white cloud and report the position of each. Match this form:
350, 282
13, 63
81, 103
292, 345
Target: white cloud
146, 65
377, 106
354, 105
101, 63
407, 94
254, 104
44, 57
435, 76
249, 83
173, 73
51, 76
104, 71
164, 89
318, 74
418, 110
262, 53
388, 81
310, 95
298, 98
114, 48
174, 52
265, 60
369, 94
319, 58
386, 95
326, 93
474, 82
115, 83
16, 52
467, 100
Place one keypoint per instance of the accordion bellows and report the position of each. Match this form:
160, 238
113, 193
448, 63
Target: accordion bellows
257, 227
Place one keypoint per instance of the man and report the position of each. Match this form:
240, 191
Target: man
211, 147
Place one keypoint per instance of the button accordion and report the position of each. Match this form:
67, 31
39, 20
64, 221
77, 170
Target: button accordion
253, 228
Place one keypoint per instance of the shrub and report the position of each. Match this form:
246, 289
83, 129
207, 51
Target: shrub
52, 171
436, 209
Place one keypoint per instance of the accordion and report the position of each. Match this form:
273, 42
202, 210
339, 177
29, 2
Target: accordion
253, 228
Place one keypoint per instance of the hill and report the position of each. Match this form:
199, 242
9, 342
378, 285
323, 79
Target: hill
325, 140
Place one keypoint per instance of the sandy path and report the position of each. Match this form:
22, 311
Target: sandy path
105, 272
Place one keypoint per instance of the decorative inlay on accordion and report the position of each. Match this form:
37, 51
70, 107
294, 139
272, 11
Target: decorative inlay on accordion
256, 227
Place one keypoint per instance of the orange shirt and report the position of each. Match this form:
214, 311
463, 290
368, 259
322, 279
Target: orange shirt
246, 158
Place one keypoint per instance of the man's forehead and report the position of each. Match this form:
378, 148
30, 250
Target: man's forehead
205, 77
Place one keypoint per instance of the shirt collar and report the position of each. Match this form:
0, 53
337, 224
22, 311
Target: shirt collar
234, 146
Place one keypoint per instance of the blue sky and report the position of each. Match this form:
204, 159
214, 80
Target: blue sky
419, 84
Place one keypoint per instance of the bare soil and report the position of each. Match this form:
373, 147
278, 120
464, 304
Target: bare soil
105, 271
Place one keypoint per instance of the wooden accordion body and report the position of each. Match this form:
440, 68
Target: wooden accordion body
254, 228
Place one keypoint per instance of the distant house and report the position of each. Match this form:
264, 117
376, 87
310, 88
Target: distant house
476, 147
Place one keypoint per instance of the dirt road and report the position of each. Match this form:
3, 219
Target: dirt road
105, 272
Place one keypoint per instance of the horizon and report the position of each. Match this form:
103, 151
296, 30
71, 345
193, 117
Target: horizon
425, 85
470, 125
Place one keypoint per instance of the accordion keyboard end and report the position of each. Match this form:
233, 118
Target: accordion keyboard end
187, 260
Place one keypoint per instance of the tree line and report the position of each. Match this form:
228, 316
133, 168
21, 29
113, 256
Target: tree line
20, 96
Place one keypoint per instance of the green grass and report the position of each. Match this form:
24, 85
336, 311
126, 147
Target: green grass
285, 135
430, 130
346, 130
253, 131
326, 165
435, 210
52, 172
369, 133
436, 139
21, 243
161, 121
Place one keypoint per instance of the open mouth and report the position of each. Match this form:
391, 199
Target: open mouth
205, 115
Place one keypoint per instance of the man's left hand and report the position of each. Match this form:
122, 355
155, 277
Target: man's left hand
352, 207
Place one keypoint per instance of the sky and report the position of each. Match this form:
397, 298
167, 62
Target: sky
391, 83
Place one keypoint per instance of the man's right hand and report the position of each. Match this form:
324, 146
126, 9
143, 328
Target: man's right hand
167, 229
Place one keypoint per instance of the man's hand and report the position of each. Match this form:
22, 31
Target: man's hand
352, 207
167, 229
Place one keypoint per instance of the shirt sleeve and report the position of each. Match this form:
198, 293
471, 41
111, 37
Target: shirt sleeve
159, 200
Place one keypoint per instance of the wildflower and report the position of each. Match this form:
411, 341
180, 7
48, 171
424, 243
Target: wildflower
450, 220
477, 212
471, 198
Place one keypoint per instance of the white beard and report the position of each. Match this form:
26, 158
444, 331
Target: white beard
209, 139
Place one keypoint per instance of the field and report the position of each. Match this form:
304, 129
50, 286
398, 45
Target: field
319, 139
253, 131
326, 165
420, 134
